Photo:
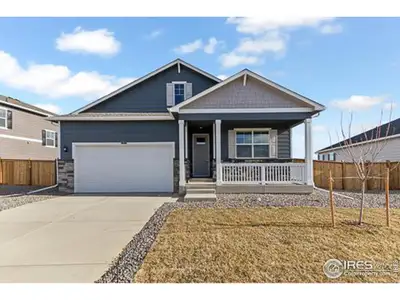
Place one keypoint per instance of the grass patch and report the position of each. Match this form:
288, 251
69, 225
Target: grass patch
288, 244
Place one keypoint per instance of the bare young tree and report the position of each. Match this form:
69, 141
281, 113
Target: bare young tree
364, 150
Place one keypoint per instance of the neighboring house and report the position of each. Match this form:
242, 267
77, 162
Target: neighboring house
180, 122
25, 133
386, 139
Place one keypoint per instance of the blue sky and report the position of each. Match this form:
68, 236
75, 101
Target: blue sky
343, 63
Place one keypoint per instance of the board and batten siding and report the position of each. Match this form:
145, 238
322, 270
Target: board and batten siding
254, 94
151, 94
391, 151
101, 132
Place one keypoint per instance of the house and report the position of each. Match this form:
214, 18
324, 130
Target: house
25, 133
180, 122
385, 139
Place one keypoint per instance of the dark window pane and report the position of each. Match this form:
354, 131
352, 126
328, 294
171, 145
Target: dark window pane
200, 140
243, 151
261, 151
260, 137
179, 98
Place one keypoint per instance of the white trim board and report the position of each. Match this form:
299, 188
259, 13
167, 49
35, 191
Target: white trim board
245, 110
26, 108
12, 137
120, 144
112, 118
141, 79
247, 73
357, 144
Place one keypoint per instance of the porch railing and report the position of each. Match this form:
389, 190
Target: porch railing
263, 173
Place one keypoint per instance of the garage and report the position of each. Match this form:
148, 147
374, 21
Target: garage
123, 168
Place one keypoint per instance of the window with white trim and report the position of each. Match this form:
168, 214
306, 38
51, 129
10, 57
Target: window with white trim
50, 138
3, 118
252, 144
179, 92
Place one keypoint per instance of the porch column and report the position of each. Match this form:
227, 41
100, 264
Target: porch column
308, 152
182, 173
218, 151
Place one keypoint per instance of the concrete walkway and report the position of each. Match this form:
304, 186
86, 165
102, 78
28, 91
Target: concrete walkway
70, 238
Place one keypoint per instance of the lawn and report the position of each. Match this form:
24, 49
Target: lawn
288, 244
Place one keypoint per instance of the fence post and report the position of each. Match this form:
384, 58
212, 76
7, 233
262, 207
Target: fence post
387, 195
30, 171
1, 171
331, 198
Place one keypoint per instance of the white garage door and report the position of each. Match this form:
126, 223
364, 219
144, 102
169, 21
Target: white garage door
135, 167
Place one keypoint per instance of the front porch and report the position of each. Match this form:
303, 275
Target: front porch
213, 149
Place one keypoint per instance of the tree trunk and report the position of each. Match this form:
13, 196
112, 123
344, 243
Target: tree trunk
362, 202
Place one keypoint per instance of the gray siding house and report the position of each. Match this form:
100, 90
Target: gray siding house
380, 144
181, 123
25, 133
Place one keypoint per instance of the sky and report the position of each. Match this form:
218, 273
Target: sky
350, 65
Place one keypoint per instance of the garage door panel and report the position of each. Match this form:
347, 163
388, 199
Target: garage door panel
124, 168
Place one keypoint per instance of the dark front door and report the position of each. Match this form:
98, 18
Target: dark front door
201, 155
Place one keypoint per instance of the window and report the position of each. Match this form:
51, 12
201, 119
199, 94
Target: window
3, 118
179, 92
252, 144
200, 141
50, 138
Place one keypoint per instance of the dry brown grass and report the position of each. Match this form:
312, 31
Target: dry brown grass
267, 245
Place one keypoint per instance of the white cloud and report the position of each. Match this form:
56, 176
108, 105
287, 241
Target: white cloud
101, 42
189, 47
212, 44
270, 42
222, 77
260, 25
358, 102
232, 59
56, 81
49, 107
154, 34
389, 106
331, 29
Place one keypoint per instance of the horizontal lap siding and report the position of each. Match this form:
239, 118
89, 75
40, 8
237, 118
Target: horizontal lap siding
98, 132
284, 145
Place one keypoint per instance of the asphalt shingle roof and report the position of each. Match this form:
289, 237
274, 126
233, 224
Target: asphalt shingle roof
372, 134
25, 105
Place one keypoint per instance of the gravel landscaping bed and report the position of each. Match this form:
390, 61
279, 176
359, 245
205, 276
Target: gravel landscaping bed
6, 190
15, 201
128, 262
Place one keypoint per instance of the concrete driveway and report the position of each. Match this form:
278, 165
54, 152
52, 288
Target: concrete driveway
70, 238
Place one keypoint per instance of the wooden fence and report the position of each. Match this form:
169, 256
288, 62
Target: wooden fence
341, 171
27, 172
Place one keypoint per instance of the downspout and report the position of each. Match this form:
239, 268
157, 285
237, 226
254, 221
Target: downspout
47, 187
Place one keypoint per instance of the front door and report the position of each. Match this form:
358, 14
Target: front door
201, 155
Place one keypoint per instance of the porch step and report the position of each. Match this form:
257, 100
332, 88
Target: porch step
200, 180
195, 190
200, 185
200, 197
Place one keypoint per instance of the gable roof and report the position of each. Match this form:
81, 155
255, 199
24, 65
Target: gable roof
317, 106
378, 132
177, 62
24, 106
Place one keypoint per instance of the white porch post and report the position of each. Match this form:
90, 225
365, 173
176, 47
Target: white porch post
182, 173
308, 152
218, 151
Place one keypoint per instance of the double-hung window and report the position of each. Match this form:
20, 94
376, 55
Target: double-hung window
179, 92
252, 144
50, 138
3, 118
